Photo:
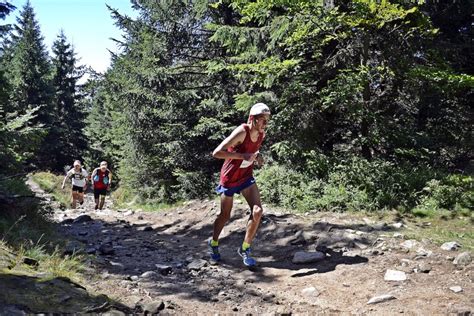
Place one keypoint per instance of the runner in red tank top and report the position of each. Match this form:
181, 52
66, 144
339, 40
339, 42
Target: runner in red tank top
101, 181
240, 151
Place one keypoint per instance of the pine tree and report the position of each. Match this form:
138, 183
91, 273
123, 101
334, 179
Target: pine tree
30, 69
66, 130
29, 76
17, 140
5, 9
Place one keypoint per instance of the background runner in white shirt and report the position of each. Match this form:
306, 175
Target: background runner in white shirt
79, 177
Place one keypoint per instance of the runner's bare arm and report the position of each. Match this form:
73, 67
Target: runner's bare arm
236, 138
86, 179
68, 174
64, 181
92, 177
110, 180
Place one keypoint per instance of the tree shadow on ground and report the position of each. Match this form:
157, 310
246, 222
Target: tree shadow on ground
177, 241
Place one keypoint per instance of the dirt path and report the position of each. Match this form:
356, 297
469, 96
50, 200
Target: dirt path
145, 259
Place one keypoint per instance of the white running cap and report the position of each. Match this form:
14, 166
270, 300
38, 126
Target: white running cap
259, 108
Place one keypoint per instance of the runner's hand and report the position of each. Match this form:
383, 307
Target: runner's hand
260, 160
250, 157
108, 188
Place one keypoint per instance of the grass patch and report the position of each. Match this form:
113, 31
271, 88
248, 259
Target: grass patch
124, 199
55, 263
444, 226
51, 183
26, 231
22, 220
423, 212
50, 261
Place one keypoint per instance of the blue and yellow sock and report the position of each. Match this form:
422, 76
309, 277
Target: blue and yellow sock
214, 243
245, 246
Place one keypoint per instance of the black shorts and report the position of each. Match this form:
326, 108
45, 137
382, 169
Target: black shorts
77, 189
98, 192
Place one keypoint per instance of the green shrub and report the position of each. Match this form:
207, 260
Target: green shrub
340, 197
453, 192
357, 184
386, 184
291, 189
288, 188
14, 186
192, 185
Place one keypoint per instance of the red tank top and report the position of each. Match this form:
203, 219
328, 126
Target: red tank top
100, 183
231, 173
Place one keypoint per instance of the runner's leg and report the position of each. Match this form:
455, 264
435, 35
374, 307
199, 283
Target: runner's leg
73, 199
96, 198
80, 197
252, 196
224, 215
102, 201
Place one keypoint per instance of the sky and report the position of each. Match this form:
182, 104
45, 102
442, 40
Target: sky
86, 23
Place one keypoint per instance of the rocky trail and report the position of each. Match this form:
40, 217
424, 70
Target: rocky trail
319, 263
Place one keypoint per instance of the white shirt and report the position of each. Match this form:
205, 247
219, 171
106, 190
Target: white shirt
78, 177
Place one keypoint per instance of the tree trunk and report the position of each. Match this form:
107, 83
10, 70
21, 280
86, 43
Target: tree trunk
365, 125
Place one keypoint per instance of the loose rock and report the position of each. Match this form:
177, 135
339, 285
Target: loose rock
149, 275
197, 264
423, 253
394, 275
397, 225
82, 219
91, 250
308, 257
456, 289
409, 244
163, 269
424, 267
269, 297
450, 246
310, 291
381, 299
153, 307
106, 249
128, 213
398, 235
463, 259
380, 226
114, 312
360, 245
117, 265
